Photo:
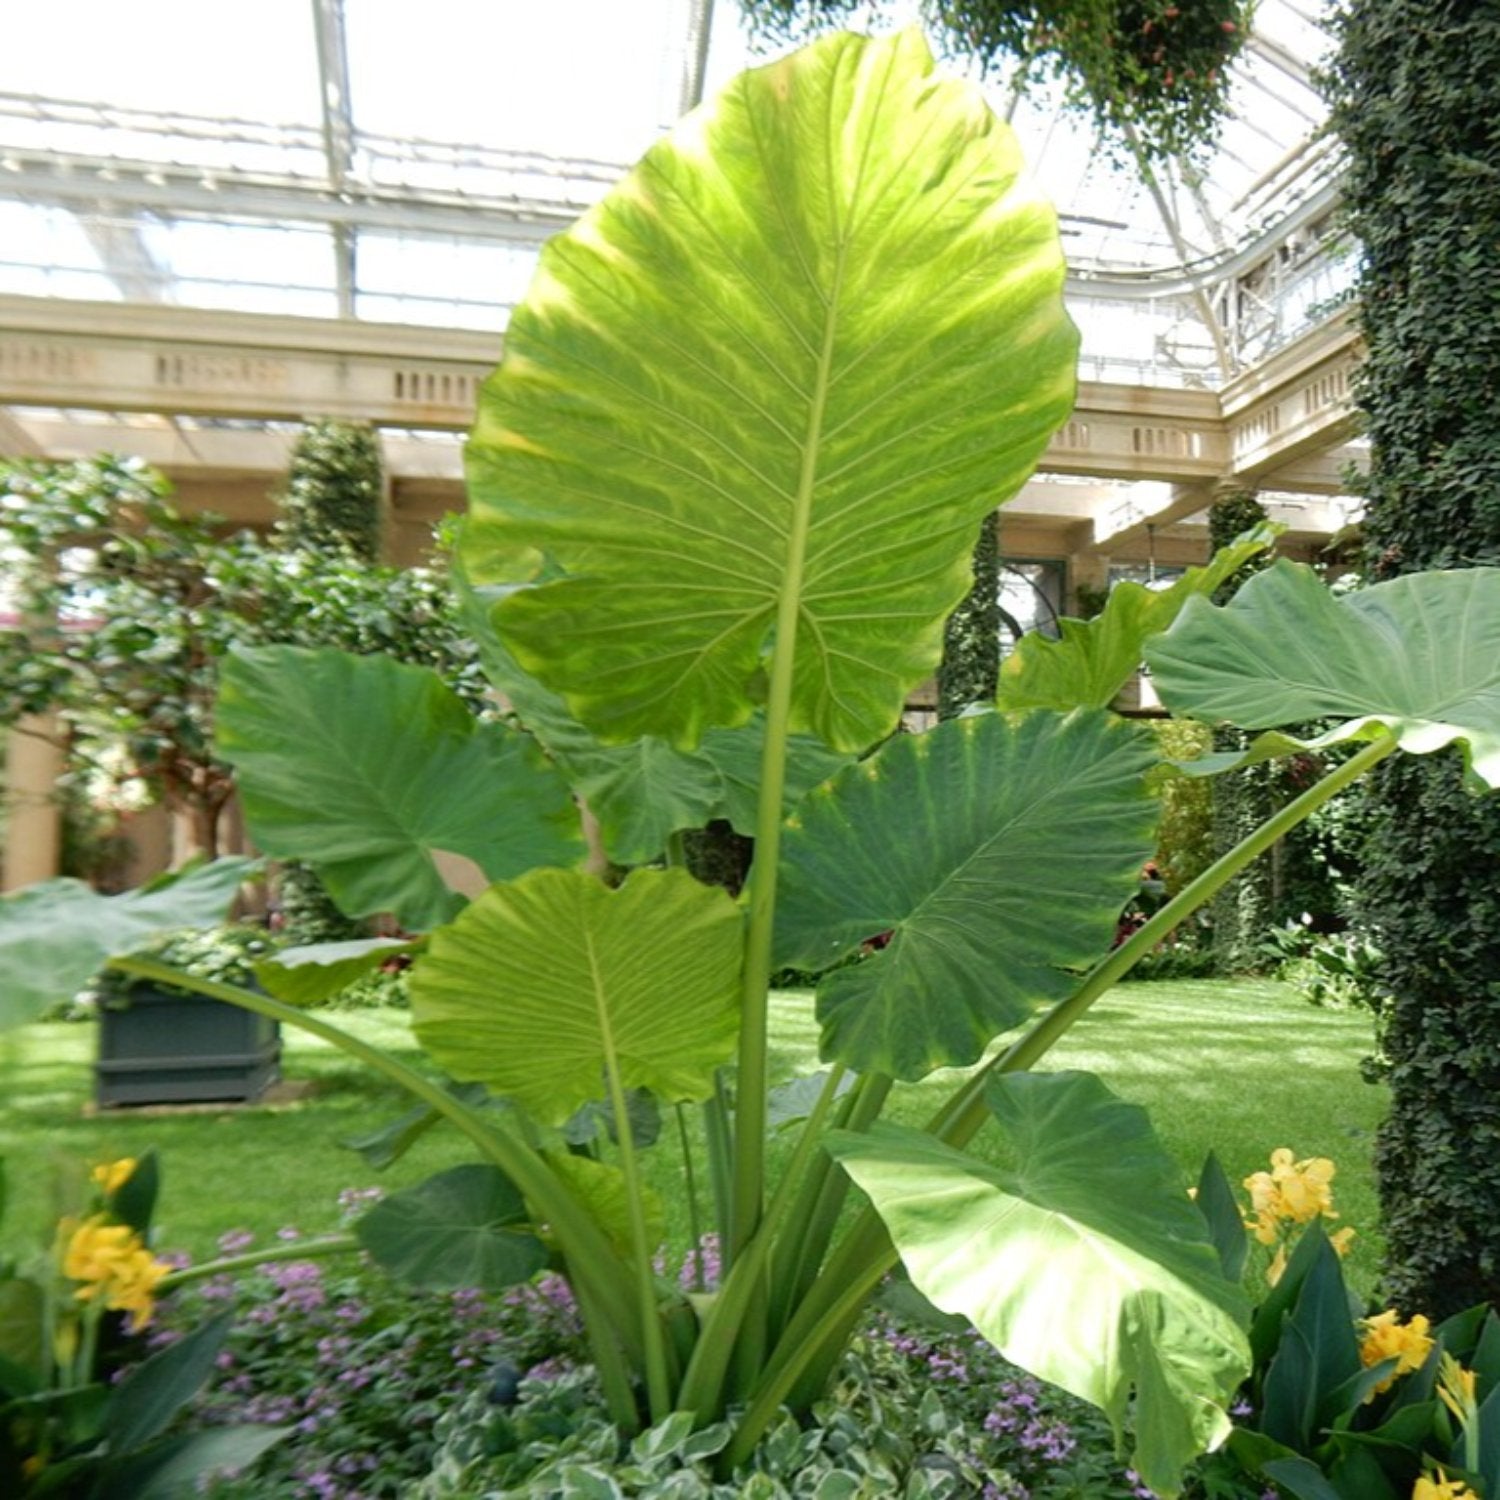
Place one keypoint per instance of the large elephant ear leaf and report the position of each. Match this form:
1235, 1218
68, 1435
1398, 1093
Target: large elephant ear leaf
643, 792
546, 982
1085, 1263
54, 937
997, 852
1418, 657
376, 774
772, 384
1093, 659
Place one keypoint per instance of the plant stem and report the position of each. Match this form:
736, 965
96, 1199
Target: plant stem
702, 1385
820, 1203
337, 1244
589, 1254
866, 1253
609, 1362
750, 1111
695, 1223
658, 1382
718, 1144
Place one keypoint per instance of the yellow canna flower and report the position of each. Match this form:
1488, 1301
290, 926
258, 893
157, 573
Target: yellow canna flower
1342, 1240
1387, 1337
1277, 1266
111, 1176
1441, 1488
114, 1267
1456, 1388
94, 1247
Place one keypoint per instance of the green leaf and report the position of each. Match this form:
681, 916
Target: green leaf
54, 937
643, 792
642, 1114
999, 851
1094, 659
317, 971
544, 979
1226, 1222
466, 1227
134, 1201
1488, 1419
143, 1405
600, 1187
21, 1313
1419, 656
1302, 1478
1270, 1316
783, 370
171, 1470
1086, 1264
387, 1144
796, 1099
1316, 1359
369, 770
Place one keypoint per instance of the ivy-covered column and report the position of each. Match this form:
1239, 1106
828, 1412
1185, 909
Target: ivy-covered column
1242, 800
970, 669
1417, 103
331, 504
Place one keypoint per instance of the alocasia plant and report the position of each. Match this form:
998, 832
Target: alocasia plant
724, 491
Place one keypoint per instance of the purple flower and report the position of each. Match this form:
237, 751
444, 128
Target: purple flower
233, 1241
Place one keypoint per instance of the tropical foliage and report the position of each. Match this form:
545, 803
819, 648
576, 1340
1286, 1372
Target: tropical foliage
724, 490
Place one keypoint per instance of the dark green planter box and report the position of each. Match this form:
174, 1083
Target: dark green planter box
163, 1048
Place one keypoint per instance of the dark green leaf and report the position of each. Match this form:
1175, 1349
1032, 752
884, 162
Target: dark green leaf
797, 1098
378, 776
1226, 1222
466, 1227
134, 1201
998, 852
1318, 1354
21, 1313
144, 1403
172, 1470
1302, 1478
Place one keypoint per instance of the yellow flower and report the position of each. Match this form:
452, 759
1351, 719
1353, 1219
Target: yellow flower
1456, 1388
1277, 1266
95, 1247
1341, 1240
111, 1176
1387, 1337
114, 1267
1292, 1192
1441, 1488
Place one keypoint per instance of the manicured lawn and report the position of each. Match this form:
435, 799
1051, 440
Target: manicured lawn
1239, 1067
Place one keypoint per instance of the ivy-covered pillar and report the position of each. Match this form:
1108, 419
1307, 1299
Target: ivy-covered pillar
970, 669
1417, 103
1241, 800
332, 503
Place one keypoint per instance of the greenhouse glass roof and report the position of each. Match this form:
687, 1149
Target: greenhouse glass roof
360, 159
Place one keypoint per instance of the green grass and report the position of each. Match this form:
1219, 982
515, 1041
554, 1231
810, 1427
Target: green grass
1239, 1067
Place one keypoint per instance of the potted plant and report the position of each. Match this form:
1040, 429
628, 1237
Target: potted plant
163, 1045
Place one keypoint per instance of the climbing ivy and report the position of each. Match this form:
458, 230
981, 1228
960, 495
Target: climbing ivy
970, 669
1242, 800
1416, 101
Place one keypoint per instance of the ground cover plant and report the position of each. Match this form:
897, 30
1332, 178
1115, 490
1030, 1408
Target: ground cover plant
724, 490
